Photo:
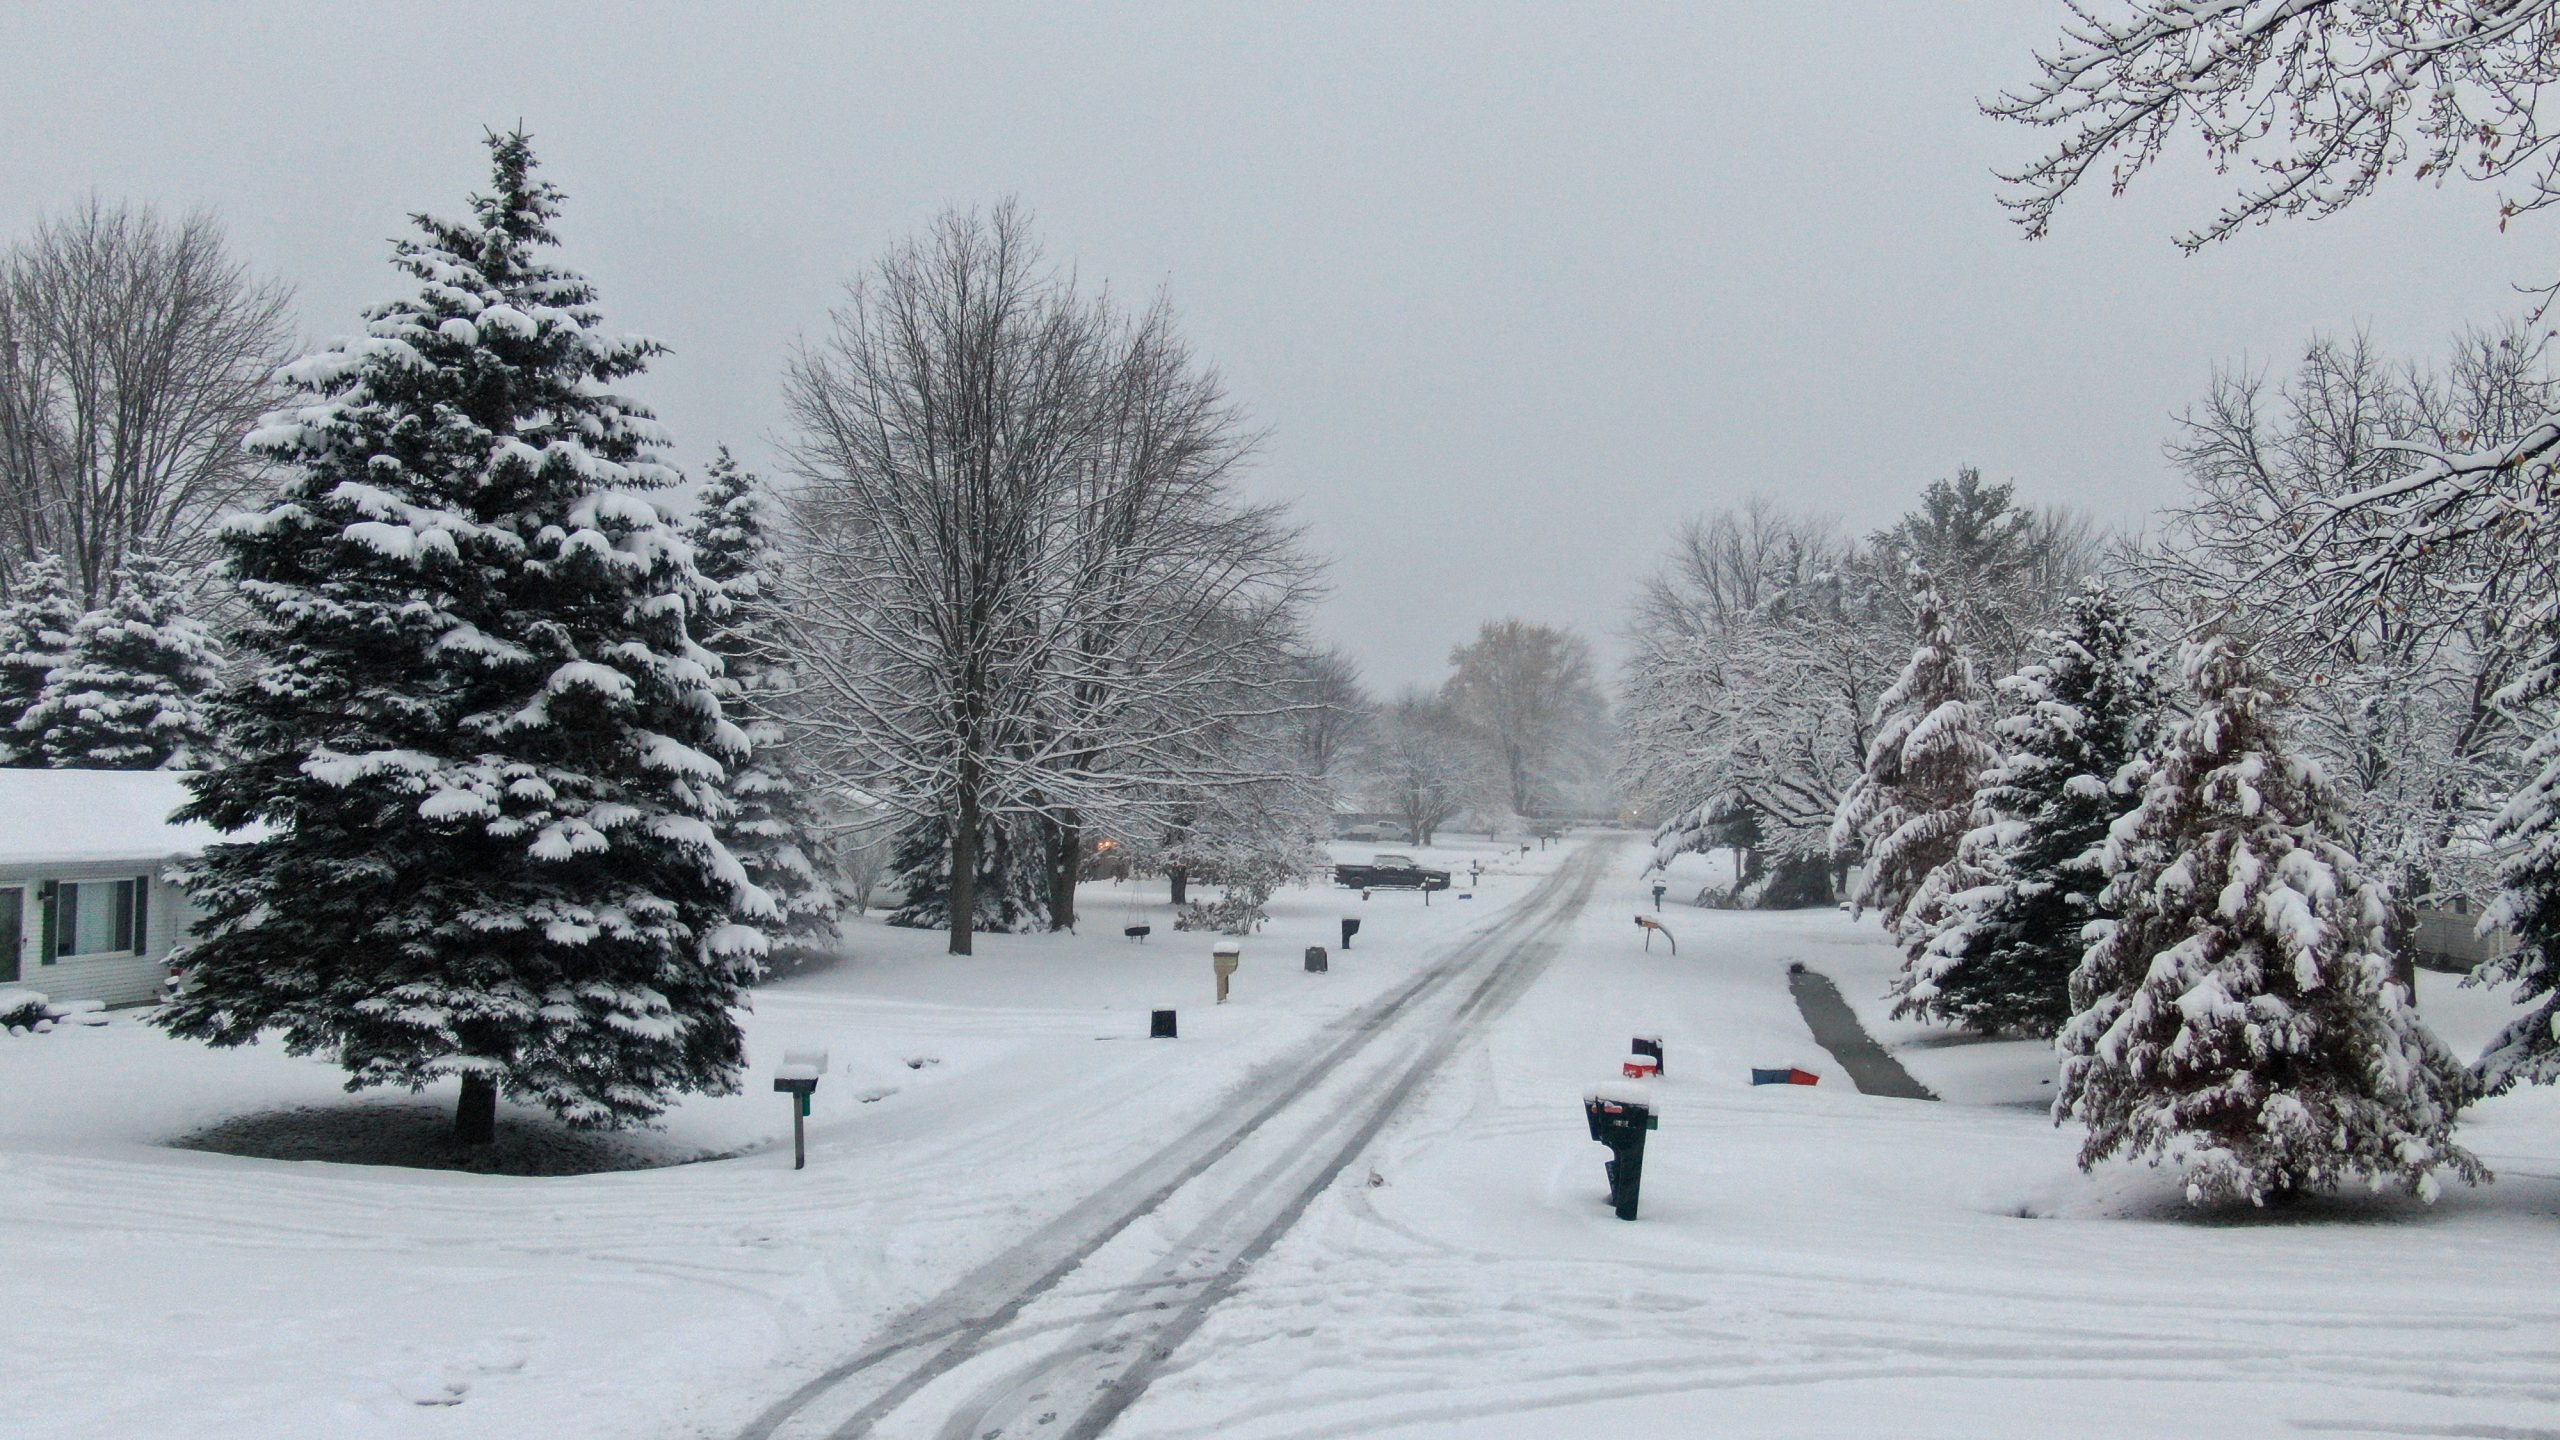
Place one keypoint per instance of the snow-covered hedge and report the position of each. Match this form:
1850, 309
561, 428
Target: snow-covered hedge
31, 1012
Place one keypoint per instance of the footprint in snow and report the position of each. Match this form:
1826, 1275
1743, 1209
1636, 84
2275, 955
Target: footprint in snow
432, 1388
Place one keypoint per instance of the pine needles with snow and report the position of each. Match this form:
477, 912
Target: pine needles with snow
2236, 1015
2002, 956
493, 760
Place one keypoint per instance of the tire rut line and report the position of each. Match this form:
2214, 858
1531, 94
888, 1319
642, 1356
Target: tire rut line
1506, 981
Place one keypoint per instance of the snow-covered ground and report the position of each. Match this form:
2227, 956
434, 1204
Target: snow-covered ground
1818, 1263
161, 1291
1809, 1261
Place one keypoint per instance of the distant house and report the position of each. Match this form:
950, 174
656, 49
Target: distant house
2449, 938
87, 911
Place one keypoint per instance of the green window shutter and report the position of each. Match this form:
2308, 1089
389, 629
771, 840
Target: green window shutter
49, 902
142, 915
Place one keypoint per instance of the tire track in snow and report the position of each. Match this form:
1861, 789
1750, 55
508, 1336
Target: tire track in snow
985, 1313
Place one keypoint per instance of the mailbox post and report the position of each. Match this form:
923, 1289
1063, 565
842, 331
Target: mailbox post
1620, 1121
1224, 957
797, 1077
1652, 928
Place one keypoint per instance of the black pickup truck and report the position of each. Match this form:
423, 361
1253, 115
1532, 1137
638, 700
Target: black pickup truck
1390, 872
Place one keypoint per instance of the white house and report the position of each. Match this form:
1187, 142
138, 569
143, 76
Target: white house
87, 911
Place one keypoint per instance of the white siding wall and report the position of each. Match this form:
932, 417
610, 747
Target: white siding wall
120, 979
2450, 940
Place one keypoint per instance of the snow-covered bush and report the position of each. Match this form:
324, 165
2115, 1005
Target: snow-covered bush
1245, 887
23, 1009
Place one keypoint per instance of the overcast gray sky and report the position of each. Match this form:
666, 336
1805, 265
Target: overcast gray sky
1515, 288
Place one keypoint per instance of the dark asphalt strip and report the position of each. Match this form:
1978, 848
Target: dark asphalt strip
1836, 1026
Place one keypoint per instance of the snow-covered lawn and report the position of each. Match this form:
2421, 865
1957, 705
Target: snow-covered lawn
1810, 1262
158, 1291
1818, 1263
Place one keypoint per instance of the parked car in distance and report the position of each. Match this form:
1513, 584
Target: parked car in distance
1390, 872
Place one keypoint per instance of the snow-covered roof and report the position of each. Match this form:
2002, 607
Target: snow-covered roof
90, 817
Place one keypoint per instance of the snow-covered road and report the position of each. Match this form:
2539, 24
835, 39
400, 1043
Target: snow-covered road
1058, 1335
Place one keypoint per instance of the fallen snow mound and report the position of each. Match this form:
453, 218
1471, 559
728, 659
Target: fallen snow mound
420, 1137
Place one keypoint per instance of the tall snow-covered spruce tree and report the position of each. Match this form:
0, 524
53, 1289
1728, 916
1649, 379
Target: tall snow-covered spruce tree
2528, 907
1912, 805
35, 637
490, 757
131, 692
2237, 1017
774, 832
2002, 957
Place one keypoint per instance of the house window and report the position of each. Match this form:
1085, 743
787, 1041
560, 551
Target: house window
96, 917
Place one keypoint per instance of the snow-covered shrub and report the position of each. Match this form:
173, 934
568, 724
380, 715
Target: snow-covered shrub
1233, 913
23, 1009
1245, 888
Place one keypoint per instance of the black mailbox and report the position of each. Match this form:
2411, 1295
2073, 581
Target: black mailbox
1621, 1125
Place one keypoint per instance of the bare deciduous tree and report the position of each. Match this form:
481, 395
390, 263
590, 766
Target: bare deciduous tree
1333, 713
1028, 593
135, 356
1418, 765
1760, 648
1529, 695
935, 426
2318, 100
2398, 700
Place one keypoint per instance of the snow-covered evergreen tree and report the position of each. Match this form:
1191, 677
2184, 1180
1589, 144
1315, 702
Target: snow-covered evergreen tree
1008, 896
2003, 957
491, 756
2528, 906
132, 691
2236, 1016
1906, 812
773, 833
35, 638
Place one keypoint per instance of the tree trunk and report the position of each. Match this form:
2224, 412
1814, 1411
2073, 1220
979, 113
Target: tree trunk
1181, 879
1066, 855
963, 891
475, 1120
